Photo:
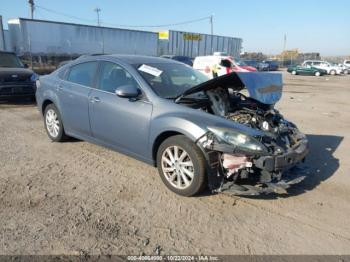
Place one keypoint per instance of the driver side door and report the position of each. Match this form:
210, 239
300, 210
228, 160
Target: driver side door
118, 122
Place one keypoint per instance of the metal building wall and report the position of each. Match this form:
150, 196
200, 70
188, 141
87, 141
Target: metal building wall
194, 44
2, 36
7, 38
40, 37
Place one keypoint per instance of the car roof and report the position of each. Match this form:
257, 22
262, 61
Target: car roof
6, 52
139, 59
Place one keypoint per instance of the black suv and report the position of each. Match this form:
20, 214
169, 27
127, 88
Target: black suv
15, 79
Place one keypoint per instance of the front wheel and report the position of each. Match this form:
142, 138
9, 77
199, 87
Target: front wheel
53, 124
181, 166
294, 72
317, 73
346, 72
332, 72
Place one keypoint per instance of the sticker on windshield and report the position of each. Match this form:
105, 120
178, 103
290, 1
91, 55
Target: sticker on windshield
150, 70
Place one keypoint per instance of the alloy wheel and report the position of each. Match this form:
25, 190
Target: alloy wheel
177, 167
52, 123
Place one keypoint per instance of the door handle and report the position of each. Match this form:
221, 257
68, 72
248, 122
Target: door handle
58, 87
95, 99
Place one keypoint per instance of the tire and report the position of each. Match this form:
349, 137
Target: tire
176, 179
294, 72
317, 74
53, 124
333, 72
346, 72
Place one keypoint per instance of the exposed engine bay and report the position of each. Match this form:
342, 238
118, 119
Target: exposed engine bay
242, 171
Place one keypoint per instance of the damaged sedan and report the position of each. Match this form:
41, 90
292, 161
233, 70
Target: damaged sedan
223, 134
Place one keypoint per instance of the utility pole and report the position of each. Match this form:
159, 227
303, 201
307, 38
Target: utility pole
32, 8
98, 10
212, 32
212, 25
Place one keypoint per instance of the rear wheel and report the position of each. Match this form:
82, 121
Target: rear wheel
53, 124
332, 72
317, 73
181, 166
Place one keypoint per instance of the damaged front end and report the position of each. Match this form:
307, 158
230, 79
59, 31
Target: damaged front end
243, 163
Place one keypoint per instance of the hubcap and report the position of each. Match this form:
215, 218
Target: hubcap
177, 167
52, 123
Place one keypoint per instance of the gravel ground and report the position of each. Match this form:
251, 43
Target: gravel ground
79, 198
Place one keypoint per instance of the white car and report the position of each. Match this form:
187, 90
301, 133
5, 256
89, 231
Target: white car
218, 65
347, 63
331, 69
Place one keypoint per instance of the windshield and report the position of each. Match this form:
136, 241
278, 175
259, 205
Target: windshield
9, 60
169, 80
240, 63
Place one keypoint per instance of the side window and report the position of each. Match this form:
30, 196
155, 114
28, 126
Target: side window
113, 76
226, 63
83, 74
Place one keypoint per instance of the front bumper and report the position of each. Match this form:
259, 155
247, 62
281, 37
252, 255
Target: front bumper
17, 90
285, 161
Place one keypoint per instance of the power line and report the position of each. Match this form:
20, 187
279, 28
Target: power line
122, 25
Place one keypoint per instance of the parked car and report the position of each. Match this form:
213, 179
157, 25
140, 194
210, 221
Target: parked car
272, 65
197, 131
331, 69
15, 79
345, 69
347, 63
260, 66
243, 65
183, 59
217, 65
306, 70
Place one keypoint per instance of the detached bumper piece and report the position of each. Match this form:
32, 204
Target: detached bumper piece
279, 187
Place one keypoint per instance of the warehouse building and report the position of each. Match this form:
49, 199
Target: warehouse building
39, 38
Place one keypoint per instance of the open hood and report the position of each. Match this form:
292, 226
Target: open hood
263, 87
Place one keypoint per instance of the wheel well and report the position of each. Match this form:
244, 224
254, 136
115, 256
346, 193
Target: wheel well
45, 104
159, 140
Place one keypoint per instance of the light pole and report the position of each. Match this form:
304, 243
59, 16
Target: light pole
98, 10
32, 7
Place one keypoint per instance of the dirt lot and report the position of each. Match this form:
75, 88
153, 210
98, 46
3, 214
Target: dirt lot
78, 198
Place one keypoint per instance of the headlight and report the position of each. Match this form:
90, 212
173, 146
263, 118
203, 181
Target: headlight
238, 139
34, 77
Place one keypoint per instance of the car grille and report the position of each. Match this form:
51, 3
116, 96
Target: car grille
11, 79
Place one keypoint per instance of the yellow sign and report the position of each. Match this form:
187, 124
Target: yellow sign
163, 35
192, 37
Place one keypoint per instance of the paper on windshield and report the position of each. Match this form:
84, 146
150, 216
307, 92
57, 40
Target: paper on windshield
150, 70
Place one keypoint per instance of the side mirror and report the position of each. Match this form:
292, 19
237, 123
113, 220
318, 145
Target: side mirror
128, 91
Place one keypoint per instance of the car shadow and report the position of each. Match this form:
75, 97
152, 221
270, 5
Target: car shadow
320, 164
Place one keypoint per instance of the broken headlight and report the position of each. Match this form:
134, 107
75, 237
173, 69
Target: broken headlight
240, 140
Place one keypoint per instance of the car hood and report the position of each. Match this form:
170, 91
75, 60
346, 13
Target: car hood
18, 72
263, 87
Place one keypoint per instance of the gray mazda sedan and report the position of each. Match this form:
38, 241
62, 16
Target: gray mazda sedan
223, 134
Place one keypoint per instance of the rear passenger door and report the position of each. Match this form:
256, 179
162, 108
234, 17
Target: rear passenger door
73, 96
119, 122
